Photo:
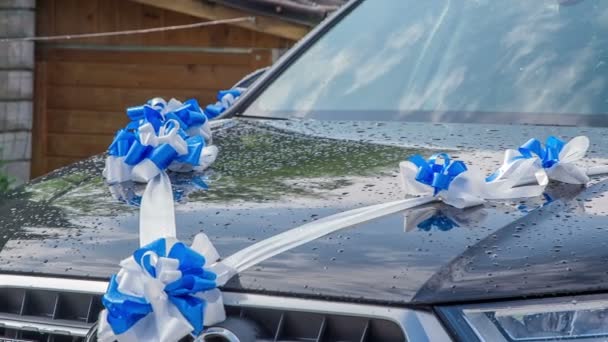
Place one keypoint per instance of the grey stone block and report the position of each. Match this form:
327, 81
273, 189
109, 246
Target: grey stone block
16, 85
15, 146
16, 116
17, 55
17, 23
18, 171
18, 3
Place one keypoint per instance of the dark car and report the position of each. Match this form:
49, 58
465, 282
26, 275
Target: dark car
323, 132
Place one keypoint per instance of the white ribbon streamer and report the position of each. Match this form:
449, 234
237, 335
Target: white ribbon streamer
256, 253
157, 215
597, 170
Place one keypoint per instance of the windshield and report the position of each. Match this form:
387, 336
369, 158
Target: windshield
517, 61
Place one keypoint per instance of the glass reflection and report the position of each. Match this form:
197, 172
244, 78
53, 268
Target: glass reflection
514, 61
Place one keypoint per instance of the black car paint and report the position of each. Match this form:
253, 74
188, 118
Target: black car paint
275, 175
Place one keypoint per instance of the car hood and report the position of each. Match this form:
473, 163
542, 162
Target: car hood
275, 175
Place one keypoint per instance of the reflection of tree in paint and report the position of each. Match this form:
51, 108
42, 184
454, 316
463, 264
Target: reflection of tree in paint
257, 163
41, 210
24, 213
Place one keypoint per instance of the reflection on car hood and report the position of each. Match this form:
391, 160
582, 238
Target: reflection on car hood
275, 175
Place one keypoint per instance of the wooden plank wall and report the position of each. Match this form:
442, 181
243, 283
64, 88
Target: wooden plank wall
83, 87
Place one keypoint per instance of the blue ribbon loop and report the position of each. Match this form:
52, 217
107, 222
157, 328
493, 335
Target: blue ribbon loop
137, 152
135, 113
195, 148
124, 310
548, 154
122, 143
154, 117
163, 155
438, 176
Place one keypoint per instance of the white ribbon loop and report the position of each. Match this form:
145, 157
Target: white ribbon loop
409, 183
169, 135
147, 135
556, 159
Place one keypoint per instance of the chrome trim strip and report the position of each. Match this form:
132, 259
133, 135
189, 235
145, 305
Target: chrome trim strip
53, 284
417, 325
49, 326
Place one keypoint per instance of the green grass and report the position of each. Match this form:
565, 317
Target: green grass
5, 180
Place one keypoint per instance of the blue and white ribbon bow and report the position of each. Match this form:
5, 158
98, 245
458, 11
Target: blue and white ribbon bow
165, 290
161, 135
524, 173
554, 160
225, 100
460, 186
438, 176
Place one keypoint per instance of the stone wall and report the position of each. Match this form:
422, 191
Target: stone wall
17, 19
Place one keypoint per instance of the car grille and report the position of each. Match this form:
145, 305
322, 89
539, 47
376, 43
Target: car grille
289, 325
67, 312
42, 315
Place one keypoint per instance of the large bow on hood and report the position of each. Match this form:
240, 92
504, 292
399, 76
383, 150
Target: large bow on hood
524, 173
161, 135
165, 290
463, 186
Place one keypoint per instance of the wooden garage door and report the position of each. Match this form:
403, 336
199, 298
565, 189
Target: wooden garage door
81, 94
82, 86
